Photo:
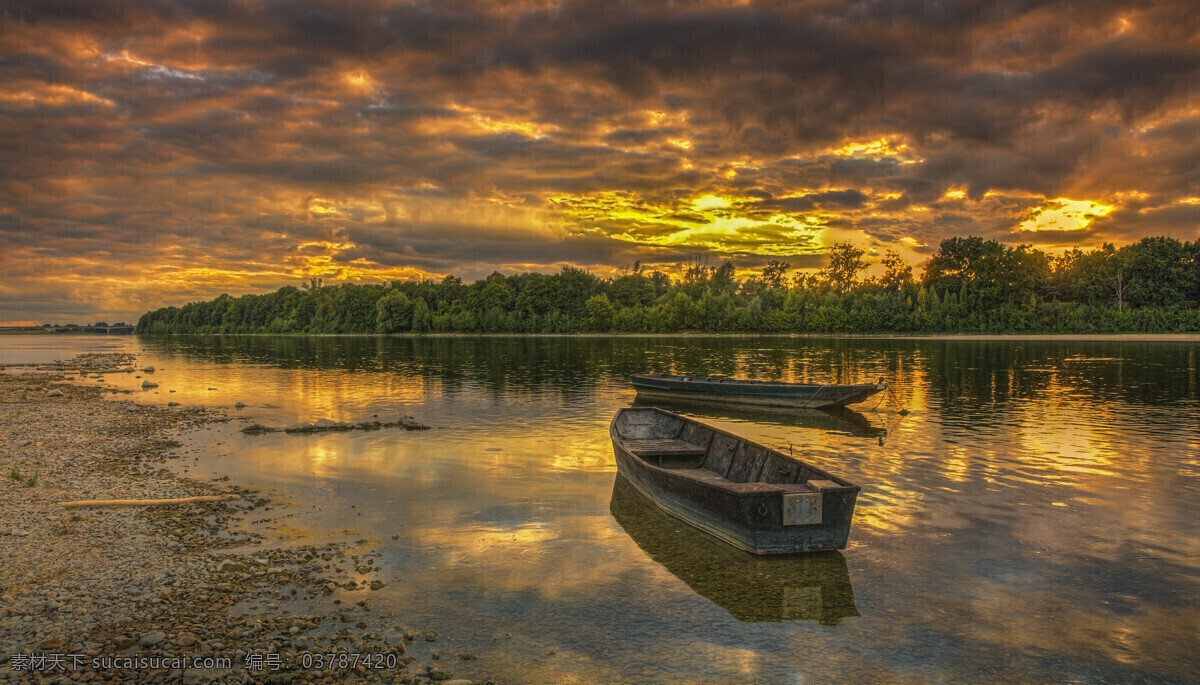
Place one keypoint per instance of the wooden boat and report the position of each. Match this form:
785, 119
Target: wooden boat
751, 496
790, 587
799, 395
835, 420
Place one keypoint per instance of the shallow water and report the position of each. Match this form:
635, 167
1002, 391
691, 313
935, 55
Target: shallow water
1034, 518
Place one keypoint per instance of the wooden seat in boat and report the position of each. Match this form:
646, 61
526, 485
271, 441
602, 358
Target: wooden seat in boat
665, 447
752, 486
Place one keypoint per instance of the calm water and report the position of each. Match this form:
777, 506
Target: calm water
1034, 518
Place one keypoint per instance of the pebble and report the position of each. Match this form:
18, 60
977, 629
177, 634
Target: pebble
54, 393
152, 638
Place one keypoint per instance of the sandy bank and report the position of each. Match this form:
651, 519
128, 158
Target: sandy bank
108, 593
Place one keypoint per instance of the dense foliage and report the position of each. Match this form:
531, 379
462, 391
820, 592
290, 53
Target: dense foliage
969, 285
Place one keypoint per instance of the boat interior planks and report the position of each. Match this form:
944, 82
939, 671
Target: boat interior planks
752, 496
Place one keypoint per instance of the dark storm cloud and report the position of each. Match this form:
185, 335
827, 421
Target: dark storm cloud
848, 199
223, 135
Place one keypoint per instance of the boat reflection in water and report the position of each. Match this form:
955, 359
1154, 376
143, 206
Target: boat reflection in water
800, 587
832, 420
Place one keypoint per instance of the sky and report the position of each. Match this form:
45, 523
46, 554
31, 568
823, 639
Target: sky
156, 152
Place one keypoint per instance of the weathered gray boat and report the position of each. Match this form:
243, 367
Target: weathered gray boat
787, 587
751, 496
799, 395
841, 420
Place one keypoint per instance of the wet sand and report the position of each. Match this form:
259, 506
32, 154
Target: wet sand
128, 593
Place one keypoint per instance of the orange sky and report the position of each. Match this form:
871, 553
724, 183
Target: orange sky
162, 152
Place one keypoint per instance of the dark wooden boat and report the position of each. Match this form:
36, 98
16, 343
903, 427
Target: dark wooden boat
799, 395
790, 587
835, 420
751, 496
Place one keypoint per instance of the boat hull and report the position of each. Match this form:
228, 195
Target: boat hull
793, 395
749, 514
752, 588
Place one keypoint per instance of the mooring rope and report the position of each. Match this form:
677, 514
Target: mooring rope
890, 425
901, 410
814, 396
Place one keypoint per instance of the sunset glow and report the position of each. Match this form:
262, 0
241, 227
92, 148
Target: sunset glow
166, 152
1065, 215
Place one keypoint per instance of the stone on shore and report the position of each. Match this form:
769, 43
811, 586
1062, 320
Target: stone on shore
152, 638
331, 425
321, 425
408, 423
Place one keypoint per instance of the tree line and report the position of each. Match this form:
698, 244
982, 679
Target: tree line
968, 285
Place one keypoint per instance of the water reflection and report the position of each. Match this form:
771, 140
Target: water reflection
973, 380
571, 363
810, 587
1036, 517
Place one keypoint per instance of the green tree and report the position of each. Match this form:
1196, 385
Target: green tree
680, 313
723, 280
600, 313
774, 274
696, 278
631, 290
845, 264
393, 312
1157, 272
896, 272
1193, 252
422, 319
1024, 274
962, 261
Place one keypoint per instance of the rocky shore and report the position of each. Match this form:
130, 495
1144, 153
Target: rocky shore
165, 594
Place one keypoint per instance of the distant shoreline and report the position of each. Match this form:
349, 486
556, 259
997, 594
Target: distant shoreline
1111, 337
1105, 337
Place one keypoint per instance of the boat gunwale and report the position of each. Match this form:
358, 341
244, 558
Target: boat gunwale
724, 484
711, 381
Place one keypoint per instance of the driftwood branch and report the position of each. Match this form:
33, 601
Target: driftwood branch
145, 502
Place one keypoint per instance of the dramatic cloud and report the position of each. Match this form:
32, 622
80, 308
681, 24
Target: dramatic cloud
162, 151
